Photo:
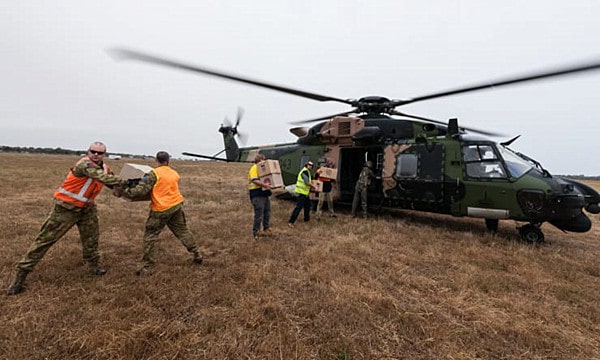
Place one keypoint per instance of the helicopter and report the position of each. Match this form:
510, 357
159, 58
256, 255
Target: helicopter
423, 164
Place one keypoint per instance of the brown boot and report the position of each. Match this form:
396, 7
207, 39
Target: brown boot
197, 258
17, 285
145, 271
96, 269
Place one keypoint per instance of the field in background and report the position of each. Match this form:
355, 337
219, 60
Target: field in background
403, 285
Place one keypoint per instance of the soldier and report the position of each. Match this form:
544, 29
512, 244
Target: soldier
361, 189
166, 209
73, 205
260, 196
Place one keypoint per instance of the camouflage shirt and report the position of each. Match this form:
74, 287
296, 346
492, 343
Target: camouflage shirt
365, 177
85, 167
143, 188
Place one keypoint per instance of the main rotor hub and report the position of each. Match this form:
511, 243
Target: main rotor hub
374, 105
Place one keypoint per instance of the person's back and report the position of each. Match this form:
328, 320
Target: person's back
366, 174
165, 193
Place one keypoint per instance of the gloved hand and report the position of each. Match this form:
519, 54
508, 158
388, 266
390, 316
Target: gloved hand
117, 191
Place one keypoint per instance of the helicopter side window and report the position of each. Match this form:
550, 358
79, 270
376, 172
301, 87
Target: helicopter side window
481, 162
406, 165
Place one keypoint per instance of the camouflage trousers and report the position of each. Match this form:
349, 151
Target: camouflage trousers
56, 226
360, 196
174, 219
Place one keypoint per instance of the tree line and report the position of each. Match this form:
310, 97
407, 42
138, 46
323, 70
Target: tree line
56, 151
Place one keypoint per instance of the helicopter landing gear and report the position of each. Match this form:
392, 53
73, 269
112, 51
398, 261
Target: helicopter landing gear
491, 225
531, 233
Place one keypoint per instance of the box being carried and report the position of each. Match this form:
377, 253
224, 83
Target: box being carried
328, 173
273, 180
314, 194
267, 167
319, 185
135, 172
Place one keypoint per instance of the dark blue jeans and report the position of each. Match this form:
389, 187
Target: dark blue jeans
302, 202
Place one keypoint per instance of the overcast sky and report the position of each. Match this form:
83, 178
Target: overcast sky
59, 88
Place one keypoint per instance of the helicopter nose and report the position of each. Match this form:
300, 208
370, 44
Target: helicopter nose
580, 223
593, 208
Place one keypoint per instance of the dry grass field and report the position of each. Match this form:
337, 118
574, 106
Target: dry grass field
402, 285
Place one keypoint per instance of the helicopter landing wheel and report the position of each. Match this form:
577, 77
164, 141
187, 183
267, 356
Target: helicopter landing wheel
491, 225
531, 233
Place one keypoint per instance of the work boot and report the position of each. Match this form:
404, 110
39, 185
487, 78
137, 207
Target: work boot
268, 232
197, 258
17, 285
97, 270
144, 270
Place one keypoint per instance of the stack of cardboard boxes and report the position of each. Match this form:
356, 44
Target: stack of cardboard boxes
269, 172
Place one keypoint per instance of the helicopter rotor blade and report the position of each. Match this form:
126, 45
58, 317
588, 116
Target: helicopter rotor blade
593, 65
215, 155
240, 113
328, 117
483, 132
127, 54
206, 157
242, 137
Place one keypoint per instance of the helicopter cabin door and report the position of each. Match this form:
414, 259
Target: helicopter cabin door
413, 176
488, 192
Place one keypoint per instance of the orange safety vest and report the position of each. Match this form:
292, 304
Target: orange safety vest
80, 191
320, 178
165, 193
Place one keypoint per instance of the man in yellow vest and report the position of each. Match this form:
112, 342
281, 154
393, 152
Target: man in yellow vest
303, 186
260, 197
166, 209
73, 205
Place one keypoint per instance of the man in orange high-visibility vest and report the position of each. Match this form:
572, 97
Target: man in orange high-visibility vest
166, 209
73, 205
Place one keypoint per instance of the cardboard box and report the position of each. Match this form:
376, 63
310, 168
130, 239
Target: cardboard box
328, 173
268, 167
318, 184
274, 180
134, 171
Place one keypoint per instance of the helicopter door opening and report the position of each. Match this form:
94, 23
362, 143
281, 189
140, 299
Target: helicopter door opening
351, 163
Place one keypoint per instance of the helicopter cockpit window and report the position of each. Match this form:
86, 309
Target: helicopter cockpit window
481, 162
516, 165
406, 165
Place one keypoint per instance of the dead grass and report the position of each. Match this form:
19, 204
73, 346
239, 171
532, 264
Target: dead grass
403, 285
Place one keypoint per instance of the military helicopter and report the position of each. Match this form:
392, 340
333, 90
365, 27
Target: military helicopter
424, 164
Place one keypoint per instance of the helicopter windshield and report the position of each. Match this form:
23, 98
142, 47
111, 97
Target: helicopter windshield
517, 165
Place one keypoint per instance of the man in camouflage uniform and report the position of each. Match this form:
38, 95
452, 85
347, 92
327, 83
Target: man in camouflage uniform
73, 205
166, 209
361, 189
